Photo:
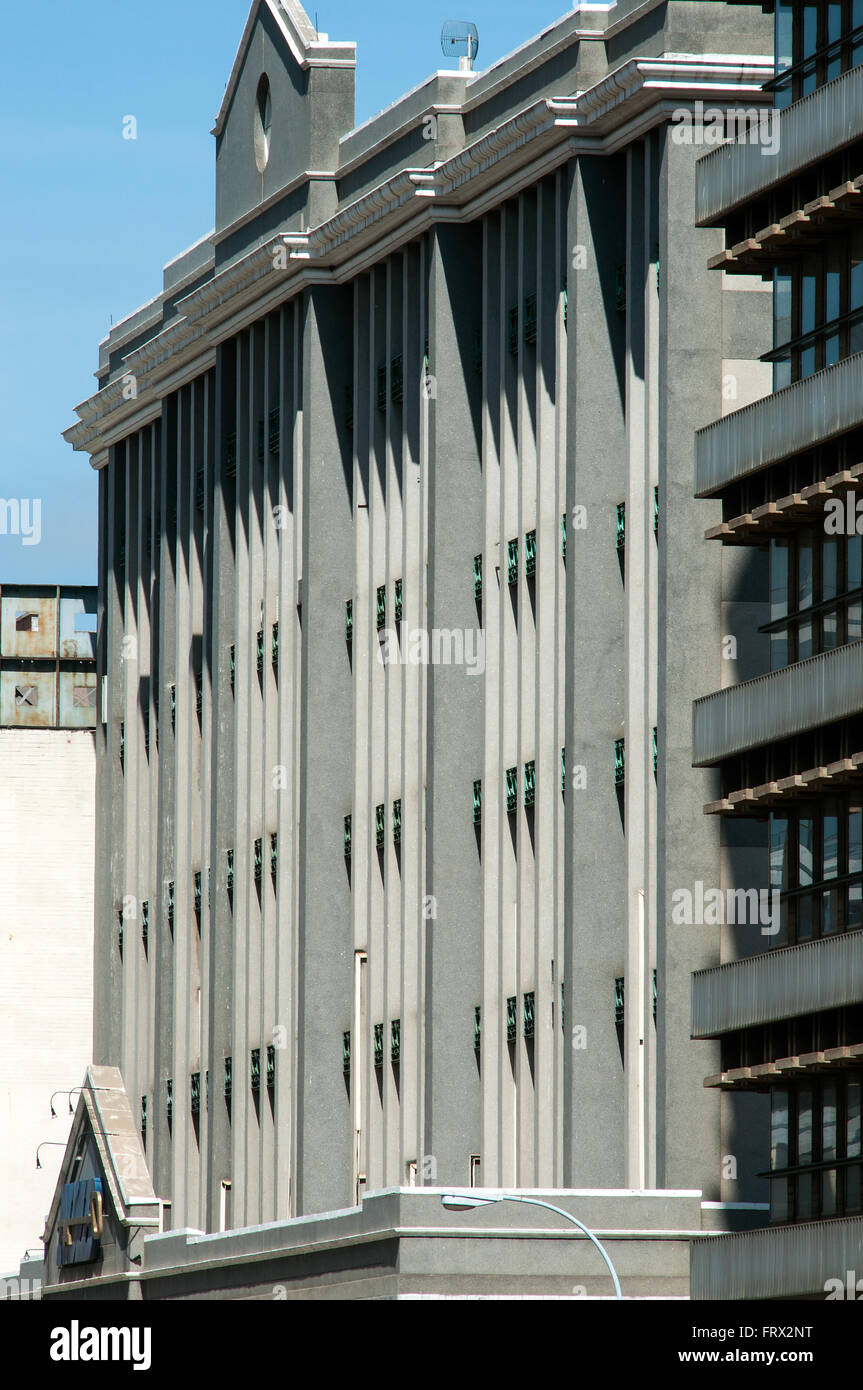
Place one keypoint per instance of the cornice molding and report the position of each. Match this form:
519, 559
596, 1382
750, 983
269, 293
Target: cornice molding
365, 212
450, 186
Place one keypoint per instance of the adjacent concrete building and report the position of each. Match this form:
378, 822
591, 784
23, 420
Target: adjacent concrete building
47, 853
401, 622
787, 1001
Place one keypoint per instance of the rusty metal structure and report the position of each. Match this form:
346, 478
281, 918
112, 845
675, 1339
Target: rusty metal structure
47, 656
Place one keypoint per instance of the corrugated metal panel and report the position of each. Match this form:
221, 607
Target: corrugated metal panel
783, 1262
28, 625
779, 425
777, 705
783, 983
77, 700
27, 699
809, 131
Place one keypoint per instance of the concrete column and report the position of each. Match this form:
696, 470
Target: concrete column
215, 909
689, 662
594, 1100
453, 947
640, 636
556, 440
171, 808
107, 962
493, 1062
412, 743
325, 947
289, 499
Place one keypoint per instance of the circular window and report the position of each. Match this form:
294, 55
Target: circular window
263, 122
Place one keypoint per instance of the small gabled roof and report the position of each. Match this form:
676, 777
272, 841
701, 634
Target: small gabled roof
104, 1111
301, 37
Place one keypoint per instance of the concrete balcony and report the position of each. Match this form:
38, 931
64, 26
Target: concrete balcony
778, 705
810, 130
782, 1262
772, 429
783, 983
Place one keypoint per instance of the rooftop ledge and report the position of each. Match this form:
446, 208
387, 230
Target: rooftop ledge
627, 101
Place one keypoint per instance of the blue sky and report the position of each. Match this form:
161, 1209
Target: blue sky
87, 219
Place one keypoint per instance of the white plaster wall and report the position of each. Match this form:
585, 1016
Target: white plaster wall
47, 817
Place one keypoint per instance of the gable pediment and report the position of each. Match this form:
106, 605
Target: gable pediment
288, 99
301, 42
104, 1200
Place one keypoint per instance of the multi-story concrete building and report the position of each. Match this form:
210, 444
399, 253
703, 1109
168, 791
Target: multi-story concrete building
47, 852
400, 629
784, 474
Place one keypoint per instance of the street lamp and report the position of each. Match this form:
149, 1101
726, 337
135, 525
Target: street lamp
48, 1144
69, 1095
459, 1201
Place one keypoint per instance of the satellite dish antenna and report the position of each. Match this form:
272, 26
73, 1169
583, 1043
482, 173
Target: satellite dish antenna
461, 37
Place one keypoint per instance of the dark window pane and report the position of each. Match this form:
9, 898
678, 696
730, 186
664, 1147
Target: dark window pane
779, 1128
852, 1121
834, 29
806, 849
829, 1101
830, 568
778, 851
832, 303
804, 1196
779, 568
830, 857
804, 575
855, 283
830, 912
784, 50
853, 566
783, 305
804, 1126
832, 295
856, 23
808, 302
810, 44
855, 839
779, 1199
778, 579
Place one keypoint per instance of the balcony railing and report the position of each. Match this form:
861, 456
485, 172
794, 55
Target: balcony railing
810, 130
809, 412
777, 1262
778, 705
785, 983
